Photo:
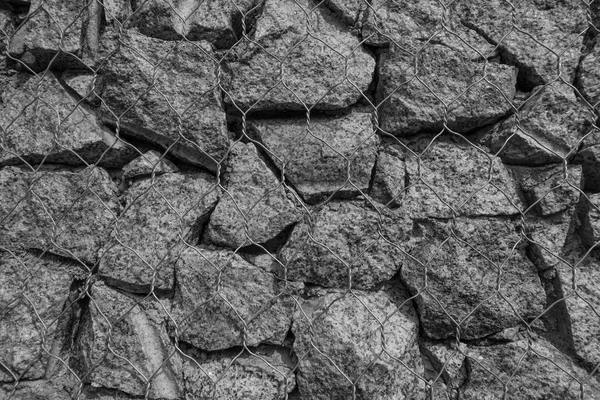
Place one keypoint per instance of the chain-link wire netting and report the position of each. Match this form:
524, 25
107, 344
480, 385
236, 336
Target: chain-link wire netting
299, 199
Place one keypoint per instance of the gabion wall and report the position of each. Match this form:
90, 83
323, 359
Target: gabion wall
299, 199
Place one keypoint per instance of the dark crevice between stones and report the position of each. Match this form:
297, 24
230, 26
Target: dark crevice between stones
271, 246
95, 392
250, 19
371, 95
136, 289
82, 322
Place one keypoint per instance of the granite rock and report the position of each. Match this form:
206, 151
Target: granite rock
589, 76
151, 162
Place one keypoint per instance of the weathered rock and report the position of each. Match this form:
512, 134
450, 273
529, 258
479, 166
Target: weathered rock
350, 11
333, 362
471, 278
122, 346
449, 361
590, 229
453, 177
410, 25
84, 86
548, 236
327, 70
40, 122
7, 25
63, 33
148, 163
164, 92
263, 373
547, 129
218, 22
335, 157
445, 76
589, 77
33, 390
222, 301
63, 212
589, 158
162, 216
346, 245
390, 176
35, 313
550, 189
255, 207
531, 35
534, 370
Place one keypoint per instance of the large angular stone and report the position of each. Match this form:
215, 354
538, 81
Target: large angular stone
447, 360
165, 93
550, 189
531, 35
151, 162
547, 129
222, 301
162, 216
35, 313
124, 345
452, 177
359, 341
263, 373
335, 157
63, 33
63, 212
298, 58
471, 278
218, 22
255, 207
522, 370
413, 91
346, 244
589, 77
40, 122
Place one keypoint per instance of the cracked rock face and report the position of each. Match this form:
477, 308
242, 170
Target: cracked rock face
151, 162
332, 156
475, 93
589, 76
471, 278
327, 69
330, 359
162, 216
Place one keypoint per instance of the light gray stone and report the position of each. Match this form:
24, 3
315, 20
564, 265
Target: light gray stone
352, 12
68, 213
531, 34
548, 128
346, 244
222, 301
390, 176
255, 207
123, 346
589, 76
471, 278
151, 162
162, 216
335, 157
333, 361
445, 77
40, 122
548, 236
590, 230
329, 70
7, 25
448, 360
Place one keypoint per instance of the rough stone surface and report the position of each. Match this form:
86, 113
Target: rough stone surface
148, 163
532, 35
390, 176
589, 158
63, 33
254, 199
550, 189
542, 372
40, 122
335, 157
452, 177
7, 25
446, 77
351, 12
218, 22
548, 236
590, 230
346, 245
33, 390
64, 212
448, 360
122, 347
473, 274
164, 92
35, 313
162, 216
219, 293
589, 77
327, 70
263, 373
331, 360
547, 129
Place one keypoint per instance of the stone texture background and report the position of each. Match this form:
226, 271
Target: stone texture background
299, 199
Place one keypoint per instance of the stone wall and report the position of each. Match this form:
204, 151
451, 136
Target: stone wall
298, 199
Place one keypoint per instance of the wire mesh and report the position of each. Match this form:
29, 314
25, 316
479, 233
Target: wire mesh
299, 199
